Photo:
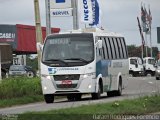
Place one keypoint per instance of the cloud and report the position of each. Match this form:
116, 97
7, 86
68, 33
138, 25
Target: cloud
117, 15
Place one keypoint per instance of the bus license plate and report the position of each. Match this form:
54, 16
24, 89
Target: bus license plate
66, 82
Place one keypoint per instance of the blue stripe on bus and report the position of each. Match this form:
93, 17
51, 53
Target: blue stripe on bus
102, 67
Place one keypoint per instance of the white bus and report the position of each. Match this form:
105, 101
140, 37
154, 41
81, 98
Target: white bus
82, 62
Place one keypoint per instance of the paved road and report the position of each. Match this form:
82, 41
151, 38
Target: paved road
134, 87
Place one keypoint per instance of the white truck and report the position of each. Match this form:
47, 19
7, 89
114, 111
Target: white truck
149, 64
135, 66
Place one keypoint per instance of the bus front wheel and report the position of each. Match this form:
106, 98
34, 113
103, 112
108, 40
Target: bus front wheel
97, 95
49, 98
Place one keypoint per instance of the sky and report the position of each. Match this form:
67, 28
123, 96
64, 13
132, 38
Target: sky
117, 16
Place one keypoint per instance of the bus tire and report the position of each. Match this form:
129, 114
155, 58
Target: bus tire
70, 97
111, 93
78, 97
119, 91
49, 98
148, 73
98, 94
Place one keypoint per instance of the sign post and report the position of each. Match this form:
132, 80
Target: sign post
75, 14
48, 18
38, 31
158, 35
65, 8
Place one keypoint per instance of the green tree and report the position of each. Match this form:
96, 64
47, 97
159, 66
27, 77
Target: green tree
33, 62
136, 51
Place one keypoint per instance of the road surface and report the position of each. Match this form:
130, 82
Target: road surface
134, 87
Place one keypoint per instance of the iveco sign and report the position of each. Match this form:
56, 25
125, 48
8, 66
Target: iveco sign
86, 11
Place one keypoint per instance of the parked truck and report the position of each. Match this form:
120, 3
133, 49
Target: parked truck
6, 58
149, 66
135, 66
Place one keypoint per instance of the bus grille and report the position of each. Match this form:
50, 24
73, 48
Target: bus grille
66, 77
67, 86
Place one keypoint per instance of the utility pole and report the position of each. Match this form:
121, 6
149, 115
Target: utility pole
151, 40
38, 31
48, 18
146, 44
141, 33
0, 67
75, 14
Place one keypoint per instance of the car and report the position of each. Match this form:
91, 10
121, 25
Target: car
157, 72
21, 70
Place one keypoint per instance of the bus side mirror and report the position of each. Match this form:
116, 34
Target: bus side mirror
39, 47
99, 44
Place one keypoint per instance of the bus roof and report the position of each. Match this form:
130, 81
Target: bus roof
95, 31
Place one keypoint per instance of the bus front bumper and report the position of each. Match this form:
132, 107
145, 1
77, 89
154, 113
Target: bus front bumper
84, 85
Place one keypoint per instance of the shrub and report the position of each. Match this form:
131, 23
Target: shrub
19, 87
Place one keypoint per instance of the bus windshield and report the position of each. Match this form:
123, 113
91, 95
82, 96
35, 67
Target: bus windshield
66, 49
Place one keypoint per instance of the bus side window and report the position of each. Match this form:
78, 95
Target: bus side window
116, 48
108, 48
124, 48
100, 50
112, 48
120, 48
104, 49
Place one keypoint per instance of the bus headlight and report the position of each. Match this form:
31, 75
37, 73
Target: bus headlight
48, 77
84, 76
158, 71
89, 86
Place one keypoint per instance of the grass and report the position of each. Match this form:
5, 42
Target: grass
139, 106
20, 101
20, 90
19, 87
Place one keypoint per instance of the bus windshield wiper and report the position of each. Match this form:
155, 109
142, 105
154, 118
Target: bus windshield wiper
57, 60
81, 59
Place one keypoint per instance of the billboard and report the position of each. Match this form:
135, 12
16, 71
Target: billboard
8, 35
158, 34
61, 12
60, 4
21, 37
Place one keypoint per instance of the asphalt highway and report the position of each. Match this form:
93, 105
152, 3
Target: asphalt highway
134, 87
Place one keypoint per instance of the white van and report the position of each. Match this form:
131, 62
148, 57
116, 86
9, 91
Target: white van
135, 66
149, 66
81, 62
